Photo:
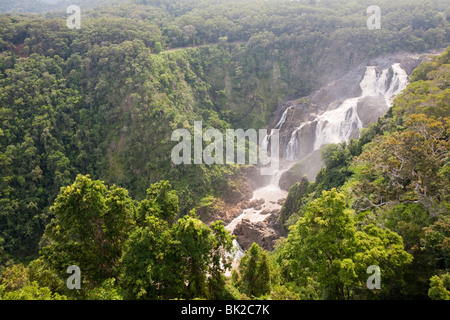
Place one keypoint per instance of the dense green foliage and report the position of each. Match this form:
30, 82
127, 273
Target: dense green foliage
125, 249
79, 107
325, 248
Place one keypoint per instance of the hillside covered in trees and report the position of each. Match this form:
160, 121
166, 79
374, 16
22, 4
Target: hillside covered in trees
85, 142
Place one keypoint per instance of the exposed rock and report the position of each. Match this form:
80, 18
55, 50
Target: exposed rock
256, 202
293, 201
309, 167
371, 108
265, 211
264, 233
218, 210
256, 179
281, 201
247, 232
245, 205
237, 193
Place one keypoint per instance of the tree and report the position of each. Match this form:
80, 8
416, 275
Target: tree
18, 283
186, 260
107, 291
146, 270
14, 278
254, 277
3, 255
91, 224
157, 48
222, 245
295, 199
326, 249
440, 287
436, 240
409, 221
161, 201
407, 166
30, 291
40, 272
200, 251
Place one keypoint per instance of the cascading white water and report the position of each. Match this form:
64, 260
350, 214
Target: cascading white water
292, 146
337, 125
382, 81
371, 85
271, 193
399, 83
265, 141
340, 124
282, 119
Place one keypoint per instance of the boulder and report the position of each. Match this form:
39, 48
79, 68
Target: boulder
264, 233
247, 232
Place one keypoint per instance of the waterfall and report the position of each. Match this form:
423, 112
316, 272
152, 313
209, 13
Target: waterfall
340, 124
282, 119
239, 252
270, 193
292, 146
265, 141
337, 125
382, 81
373, 84
399, 83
